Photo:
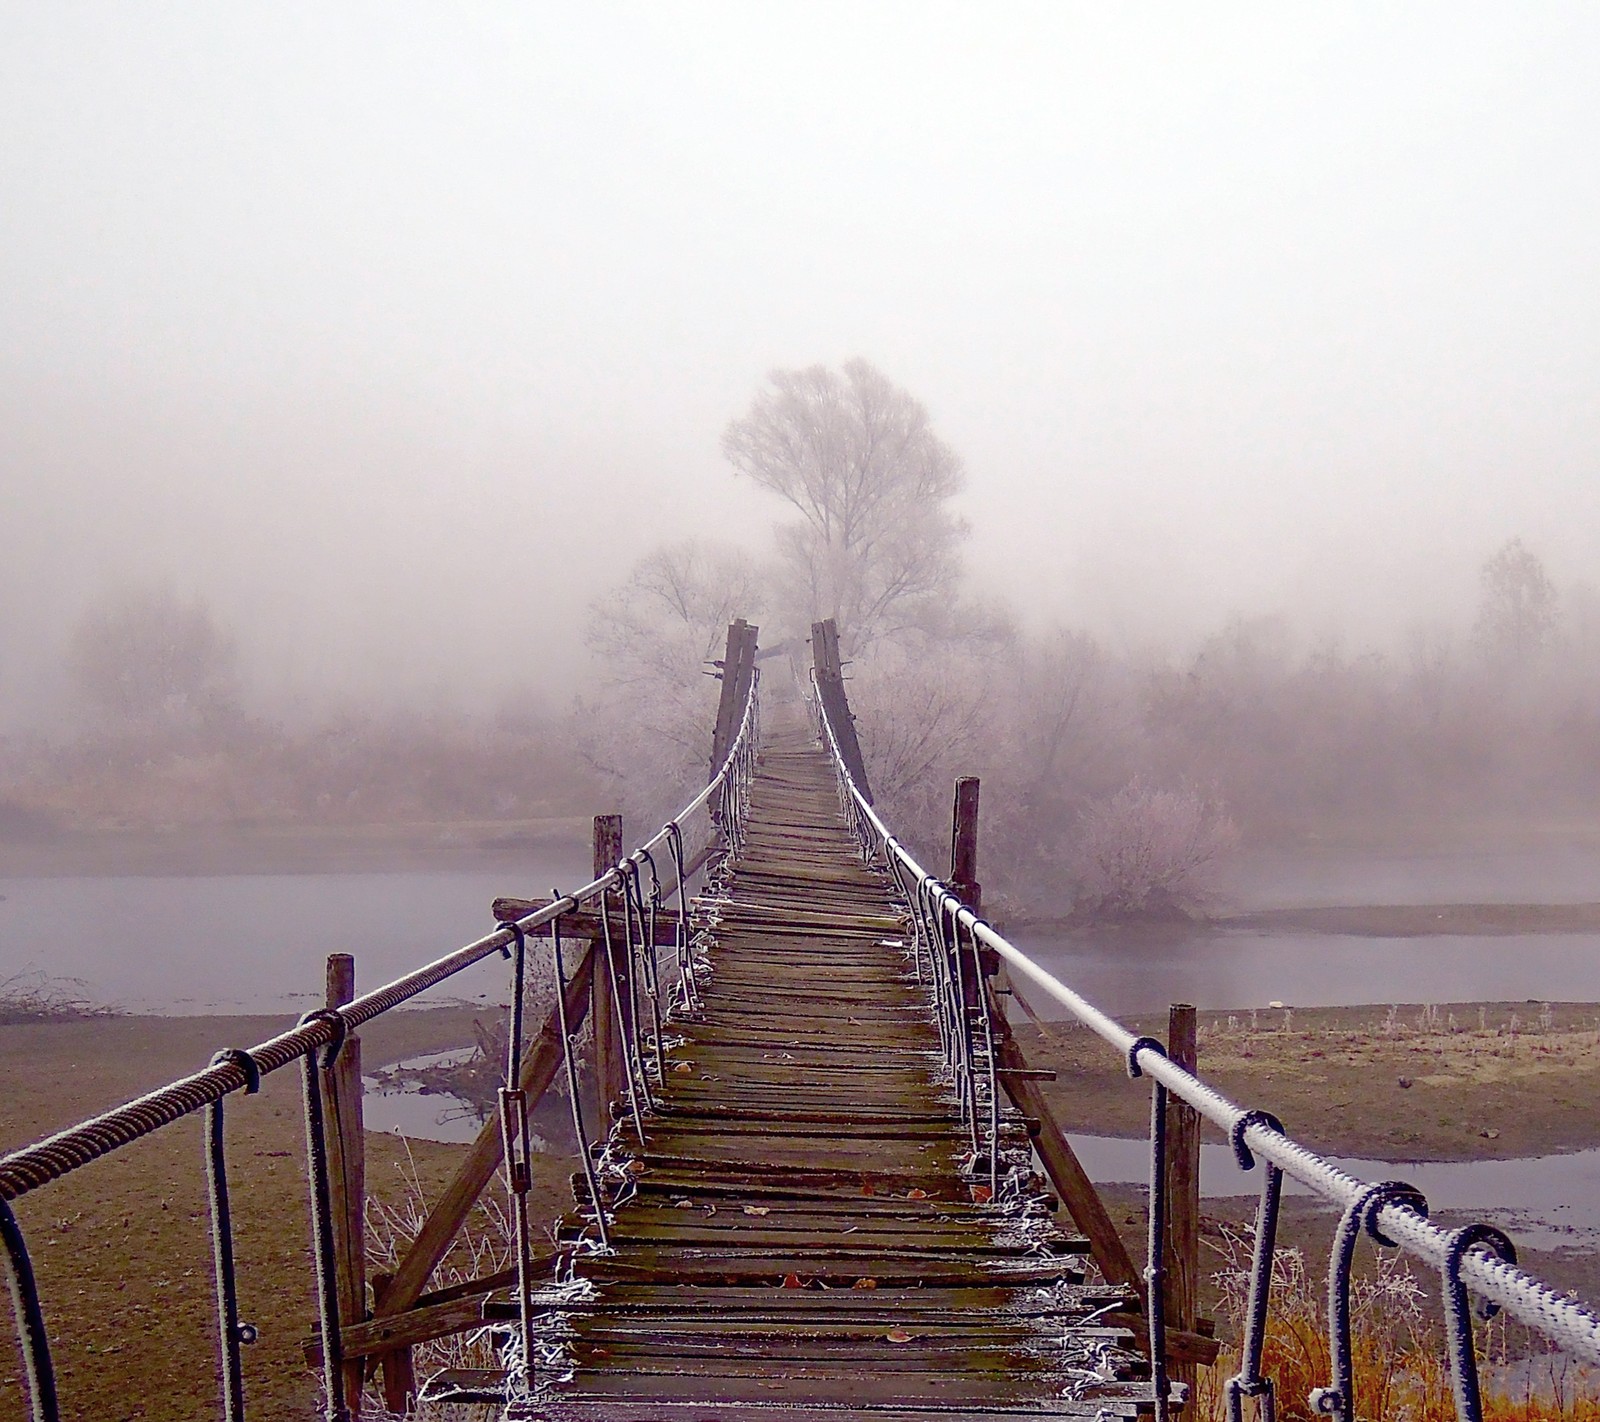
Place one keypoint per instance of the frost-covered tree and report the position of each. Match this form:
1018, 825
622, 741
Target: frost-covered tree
648, 730
144, 657
875, 546
1517, 608
1145, 852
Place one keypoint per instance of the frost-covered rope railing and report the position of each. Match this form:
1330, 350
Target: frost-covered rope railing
1476, 1257
316, 1043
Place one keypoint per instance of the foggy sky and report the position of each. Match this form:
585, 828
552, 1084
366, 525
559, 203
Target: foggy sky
398, 330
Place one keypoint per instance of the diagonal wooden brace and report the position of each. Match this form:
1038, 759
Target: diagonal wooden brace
483, 1158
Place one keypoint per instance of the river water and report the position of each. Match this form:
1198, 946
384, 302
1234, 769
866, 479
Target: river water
257, 943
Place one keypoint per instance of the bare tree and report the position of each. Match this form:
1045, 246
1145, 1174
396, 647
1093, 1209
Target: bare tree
148, 658
875, 547
1517, 607
1150, 853
648, 730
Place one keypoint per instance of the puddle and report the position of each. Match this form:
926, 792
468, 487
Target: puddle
426, 1113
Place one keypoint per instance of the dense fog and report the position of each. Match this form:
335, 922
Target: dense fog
379, 402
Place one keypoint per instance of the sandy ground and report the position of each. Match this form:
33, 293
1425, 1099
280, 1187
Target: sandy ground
1459, 1082
122, 1248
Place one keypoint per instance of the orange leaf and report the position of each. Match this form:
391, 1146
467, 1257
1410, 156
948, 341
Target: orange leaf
865, 1284
866, 1188
982, 1194
792, 1281
898, 1335
916, 1195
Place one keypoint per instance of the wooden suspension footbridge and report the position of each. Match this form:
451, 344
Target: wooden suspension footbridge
807, 1222
823, 1181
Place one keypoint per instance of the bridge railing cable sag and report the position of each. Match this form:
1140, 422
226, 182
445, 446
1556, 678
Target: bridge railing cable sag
1475, 1258
315, 1042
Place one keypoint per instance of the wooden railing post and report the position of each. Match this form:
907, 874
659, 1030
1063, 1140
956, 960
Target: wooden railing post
1182, 1262
341, 1110
610, 1060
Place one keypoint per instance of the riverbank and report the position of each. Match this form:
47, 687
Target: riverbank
1462, 1081
122, 1249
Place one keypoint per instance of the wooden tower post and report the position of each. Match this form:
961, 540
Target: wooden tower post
610, 1060
830, 687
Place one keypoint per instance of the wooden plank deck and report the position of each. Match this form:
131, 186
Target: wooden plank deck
806, 1234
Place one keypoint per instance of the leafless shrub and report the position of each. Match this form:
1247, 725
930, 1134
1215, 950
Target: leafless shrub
32, 995
1150, 853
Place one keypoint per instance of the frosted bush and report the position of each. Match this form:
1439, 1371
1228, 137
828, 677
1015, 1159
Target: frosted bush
1149, 853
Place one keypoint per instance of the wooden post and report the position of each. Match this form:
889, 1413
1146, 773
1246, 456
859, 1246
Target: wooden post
610, 1059
744, 674
341, 1108
830, 687
722, 735
1182, 1262
964, 843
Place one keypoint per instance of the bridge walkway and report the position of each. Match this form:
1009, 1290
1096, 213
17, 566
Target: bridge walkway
806, 1233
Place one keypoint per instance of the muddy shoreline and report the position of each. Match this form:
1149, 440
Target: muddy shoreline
1456, 1081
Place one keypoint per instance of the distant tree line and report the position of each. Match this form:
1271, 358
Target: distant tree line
1095, 762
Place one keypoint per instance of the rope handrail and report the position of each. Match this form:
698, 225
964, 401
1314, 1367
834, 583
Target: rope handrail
48, 1159
1568, 1323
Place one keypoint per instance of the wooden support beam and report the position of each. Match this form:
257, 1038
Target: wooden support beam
1185, 1347
483, 1158
585, 922
1062, 1165
341, 1114
830, 687
728, 671
436, 1314
1182, 1261
964, 844
610, 1059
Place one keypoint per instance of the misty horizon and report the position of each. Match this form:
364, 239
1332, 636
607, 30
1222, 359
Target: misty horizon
397, 345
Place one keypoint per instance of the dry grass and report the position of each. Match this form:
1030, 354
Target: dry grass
1396, 1346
